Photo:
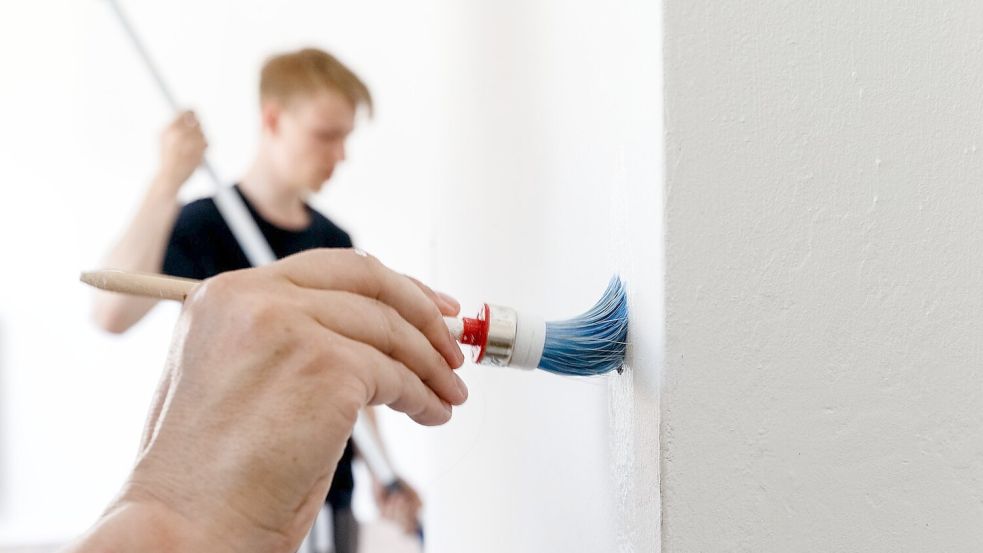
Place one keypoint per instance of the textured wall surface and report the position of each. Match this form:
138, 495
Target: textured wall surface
824, 389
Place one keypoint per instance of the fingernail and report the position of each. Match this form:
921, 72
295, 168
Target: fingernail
462, 387
458, 354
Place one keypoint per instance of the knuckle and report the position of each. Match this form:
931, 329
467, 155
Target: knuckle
248, 309
213, 292
262, 316
389, 324
341, 364
330, 350
432, 317
434, 311
373, 271
367, 260
324, 356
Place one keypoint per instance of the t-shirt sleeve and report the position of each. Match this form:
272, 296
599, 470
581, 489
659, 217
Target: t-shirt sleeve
346, 241
181, 258
333, 236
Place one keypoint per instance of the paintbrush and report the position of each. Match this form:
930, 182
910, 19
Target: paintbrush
591, 344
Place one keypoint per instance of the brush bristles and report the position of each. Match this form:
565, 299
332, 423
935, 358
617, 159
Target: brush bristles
593, 343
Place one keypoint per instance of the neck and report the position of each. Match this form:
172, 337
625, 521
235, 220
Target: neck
276, 200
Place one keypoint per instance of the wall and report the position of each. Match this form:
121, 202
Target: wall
822, 388
551, 185
515, 157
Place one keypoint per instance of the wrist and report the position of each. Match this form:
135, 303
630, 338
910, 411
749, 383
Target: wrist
166, 184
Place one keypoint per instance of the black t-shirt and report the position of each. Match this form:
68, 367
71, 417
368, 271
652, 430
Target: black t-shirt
201, 246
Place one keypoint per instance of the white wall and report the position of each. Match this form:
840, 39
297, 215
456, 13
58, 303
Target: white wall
554, 166
515, 158
822, 389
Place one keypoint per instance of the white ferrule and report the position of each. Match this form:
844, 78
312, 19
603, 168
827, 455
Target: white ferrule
530, 338
455, 326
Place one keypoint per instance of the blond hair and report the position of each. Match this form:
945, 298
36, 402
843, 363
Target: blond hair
284, 77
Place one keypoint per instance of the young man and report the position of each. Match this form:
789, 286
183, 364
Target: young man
308, 103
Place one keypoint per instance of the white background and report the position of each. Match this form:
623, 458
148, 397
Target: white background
515, 158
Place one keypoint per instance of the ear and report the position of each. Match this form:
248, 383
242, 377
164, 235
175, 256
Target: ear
270, 113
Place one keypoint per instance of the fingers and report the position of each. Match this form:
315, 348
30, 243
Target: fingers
391, 383
188, 118
401, 508
449, 307
349, 271
187, 126
378, 325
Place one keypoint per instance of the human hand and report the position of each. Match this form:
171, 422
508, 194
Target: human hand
399, 503
182, 149
267, 372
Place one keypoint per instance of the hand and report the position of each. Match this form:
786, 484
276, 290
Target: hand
182, 149
267, 372
400, 505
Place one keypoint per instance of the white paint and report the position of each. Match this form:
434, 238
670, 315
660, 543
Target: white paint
823, 385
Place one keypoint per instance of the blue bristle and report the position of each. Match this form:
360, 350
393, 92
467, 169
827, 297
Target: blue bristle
593, 343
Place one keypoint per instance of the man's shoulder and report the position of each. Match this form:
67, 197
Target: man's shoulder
200, 207
198, 214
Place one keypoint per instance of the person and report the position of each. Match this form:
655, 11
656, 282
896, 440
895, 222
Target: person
267, 371
308, 106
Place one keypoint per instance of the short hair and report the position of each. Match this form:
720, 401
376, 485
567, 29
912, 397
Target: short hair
287, 76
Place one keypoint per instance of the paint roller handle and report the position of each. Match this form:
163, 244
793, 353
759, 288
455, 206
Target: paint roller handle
144, 54
162, 86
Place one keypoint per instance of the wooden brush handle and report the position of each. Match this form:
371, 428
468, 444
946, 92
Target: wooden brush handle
148, 285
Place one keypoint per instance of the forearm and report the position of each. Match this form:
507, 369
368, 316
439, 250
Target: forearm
143, 244
141, 248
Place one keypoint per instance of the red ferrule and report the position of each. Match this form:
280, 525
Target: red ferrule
475, 332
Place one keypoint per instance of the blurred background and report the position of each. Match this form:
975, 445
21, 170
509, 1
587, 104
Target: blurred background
515, 157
